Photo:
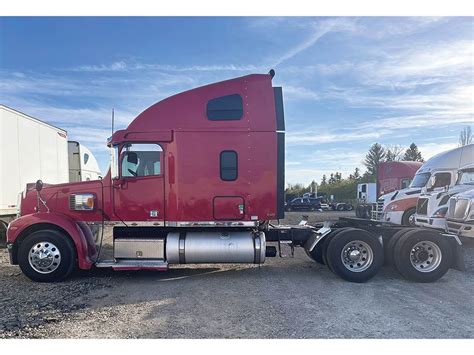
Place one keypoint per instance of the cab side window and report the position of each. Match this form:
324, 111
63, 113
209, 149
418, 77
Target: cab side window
140, 159
405, 183
442, 180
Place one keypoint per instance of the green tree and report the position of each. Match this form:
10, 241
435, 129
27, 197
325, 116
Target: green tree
356, 174
413, 154
324, 180
374, 157
394, 153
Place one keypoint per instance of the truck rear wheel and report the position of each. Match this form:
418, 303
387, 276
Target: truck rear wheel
389, 249
47, 256
355, 255
423, 255
317, 254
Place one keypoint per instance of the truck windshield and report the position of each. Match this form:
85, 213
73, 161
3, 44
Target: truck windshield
420, 180
466, 177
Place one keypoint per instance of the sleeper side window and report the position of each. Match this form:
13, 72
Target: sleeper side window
140, 159
225, 108
228, 165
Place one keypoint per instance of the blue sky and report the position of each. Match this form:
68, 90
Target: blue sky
348, 82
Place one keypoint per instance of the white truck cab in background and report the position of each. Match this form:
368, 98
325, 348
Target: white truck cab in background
367, 192
82, 164
399, 207
460, 215
432, 204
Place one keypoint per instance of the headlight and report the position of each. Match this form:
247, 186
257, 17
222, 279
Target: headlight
440, 213
393, 207
82, 202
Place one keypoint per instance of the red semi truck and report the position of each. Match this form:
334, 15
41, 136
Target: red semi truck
197, 178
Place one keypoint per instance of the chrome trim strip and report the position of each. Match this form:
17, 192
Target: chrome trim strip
135, 223
180, 224
212, 224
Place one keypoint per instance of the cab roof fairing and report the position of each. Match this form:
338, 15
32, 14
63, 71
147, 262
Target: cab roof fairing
187, 110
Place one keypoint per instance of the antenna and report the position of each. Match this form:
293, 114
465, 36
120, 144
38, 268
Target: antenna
113, 116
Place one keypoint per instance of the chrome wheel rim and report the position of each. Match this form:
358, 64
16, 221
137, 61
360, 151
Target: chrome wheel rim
44, 257
425, 256
412, 220
357, 256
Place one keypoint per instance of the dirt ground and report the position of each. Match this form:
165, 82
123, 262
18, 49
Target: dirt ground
284, 298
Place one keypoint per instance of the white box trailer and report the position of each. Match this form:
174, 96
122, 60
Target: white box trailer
30, 150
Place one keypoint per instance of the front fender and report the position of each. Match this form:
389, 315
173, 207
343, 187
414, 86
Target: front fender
86, 252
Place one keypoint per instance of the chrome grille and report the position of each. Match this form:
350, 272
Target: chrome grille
458, 208
422, 206
377, 210
451, 208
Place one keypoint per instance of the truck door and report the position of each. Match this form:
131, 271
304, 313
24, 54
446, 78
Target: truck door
139, 190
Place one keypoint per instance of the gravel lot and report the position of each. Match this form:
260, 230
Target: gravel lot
284, 298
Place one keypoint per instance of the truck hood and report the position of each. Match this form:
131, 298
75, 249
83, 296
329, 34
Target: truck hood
56, 196
396, 195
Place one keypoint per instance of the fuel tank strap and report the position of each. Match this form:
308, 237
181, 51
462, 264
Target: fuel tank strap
182, 247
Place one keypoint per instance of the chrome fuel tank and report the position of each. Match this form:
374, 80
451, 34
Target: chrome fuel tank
215, 247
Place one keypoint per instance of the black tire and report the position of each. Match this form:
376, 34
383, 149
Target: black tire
3, 234
349, 207
389, 248
317, 254
406, 220
361, 211
344, 240
405, 258
64, 246
326, 242
340, 207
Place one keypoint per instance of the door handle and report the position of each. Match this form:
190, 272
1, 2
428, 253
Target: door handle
119, 183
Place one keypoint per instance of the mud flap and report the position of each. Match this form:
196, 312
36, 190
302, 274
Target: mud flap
458, 252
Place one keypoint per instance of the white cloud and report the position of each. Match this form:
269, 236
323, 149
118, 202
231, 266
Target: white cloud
430, 149
123, 66
318, 29
299, 93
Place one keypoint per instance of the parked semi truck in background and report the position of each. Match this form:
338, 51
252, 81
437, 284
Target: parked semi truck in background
391, 176
82, 163
432, 205
399, 207
460, 215
32, 149
199, 178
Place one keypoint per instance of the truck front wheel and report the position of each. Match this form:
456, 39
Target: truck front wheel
355, 255
3, 234
47, 256
423, 255
408, 218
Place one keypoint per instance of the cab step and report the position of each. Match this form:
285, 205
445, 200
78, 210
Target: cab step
134, 264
